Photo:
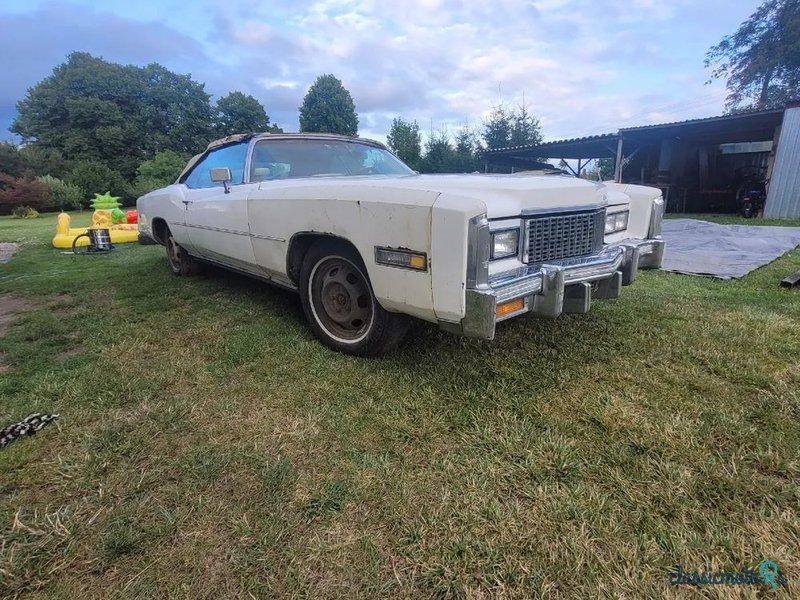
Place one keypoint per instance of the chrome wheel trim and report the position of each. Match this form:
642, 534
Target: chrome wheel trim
342, 307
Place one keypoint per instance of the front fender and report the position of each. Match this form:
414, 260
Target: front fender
450, 222
367, 217
642, 205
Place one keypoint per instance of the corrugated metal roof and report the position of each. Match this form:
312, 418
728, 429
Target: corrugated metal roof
783, 200
588, 138
611, 136
733, 117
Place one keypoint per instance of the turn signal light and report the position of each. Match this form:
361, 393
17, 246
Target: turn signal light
506, 308
416, 261
406, 259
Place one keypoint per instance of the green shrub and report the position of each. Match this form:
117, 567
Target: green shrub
66, 196
160, 171
143, 185
24, 212
164, 167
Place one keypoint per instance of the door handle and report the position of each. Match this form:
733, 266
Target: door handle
186, 202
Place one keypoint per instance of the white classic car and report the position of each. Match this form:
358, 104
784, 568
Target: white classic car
369, 243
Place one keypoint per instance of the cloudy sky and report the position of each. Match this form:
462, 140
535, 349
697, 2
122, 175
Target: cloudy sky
583, 66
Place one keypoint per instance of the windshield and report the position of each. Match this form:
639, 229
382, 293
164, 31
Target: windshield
286, 159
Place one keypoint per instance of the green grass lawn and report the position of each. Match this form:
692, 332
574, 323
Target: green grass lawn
209, 447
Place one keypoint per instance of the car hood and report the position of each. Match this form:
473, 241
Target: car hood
503, 195
512, 195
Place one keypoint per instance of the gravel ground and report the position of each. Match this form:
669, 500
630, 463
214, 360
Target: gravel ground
7, 252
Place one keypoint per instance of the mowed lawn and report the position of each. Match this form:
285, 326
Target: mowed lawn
209, 447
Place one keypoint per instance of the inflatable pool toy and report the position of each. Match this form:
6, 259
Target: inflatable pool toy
120, 234
107, 215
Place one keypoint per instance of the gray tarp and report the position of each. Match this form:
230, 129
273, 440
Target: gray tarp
723, 251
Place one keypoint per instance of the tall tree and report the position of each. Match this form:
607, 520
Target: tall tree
497, 128
405, 141
440, 156
602, 170
93, 110
175, 106
12, 162
328, 108
42, 160
239, 113
760, 61
466, 149
525, 128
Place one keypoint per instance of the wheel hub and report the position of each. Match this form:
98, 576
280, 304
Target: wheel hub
344, 297
337, 302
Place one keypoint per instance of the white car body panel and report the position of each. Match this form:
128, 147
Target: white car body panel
217, 225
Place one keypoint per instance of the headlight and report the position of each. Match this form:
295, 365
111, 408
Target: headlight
505, 243
617, 221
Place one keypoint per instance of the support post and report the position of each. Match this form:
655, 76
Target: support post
618, 165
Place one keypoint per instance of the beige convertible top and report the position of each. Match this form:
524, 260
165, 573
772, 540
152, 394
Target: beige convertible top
243, 137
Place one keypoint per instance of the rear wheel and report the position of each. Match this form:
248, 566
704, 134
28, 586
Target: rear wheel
340, 305
180, 261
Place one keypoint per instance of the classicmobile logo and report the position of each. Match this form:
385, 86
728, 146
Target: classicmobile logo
767, 573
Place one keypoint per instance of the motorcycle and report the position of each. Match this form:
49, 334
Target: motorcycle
752, 191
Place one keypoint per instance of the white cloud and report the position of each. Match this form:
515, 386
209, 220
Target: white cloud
579, 65
583, 66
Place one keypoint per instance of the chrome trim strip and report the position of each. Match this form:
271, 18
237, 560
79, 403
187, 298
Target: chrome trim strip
523, 287
234, 232
656, 217
478, 242
267, 237
565, 210
219, 229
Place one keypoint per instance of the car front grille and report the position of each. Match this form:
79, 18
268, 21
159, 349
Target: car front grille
558, 236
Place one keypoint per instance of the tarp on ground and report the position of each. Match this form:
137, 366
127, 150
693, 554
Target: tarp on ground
723, 251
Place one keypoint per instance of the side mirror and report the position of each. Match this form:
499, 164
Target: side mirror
222, 175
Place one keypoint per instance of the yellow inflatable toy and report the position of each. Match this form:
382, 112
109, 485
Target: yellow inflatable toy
107, 215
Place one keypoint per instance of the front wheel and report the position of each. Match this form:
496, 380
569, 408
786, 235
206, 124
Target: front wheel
340, 305
180, 261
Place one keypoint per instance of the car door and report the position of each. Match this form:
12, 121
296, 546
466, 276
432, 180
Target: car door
216, 215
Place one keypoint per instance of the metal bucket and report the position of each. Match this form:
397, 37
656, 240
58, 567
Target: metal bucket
99, 240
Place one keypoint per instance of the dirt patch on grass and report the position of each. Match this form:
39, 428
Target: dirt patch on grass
62, 356
10, 307
60, 302
7, 251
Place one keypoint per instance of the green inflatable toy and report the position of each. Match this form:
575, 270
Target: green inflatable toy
105, 202
118, 217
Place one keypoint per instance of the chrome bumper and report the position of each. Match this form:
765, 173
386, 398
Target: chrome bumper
551, 289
